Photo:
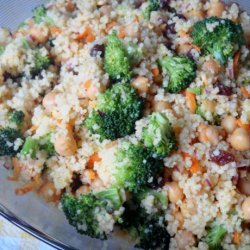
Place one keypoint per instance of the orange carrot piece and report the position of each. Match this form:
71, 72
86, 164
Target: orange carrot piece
236, 238
155, 71
191, 101
236, 60
87, 84
195, 167
28, 187
122, 33
87, 35
55, 30
240, 123
245, 93
90, 38
92, 159
92, 175
33, 129
16, 171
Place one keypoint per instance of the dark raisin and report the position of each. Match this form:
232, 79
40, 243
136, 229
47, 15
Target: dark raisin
168, 44
138, 3
224, 90
171, 29
164, 4
76, 182
221, 157
97, 49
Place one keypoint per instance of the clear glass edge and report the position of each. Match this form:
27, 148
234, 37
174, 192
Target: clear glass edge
9, 216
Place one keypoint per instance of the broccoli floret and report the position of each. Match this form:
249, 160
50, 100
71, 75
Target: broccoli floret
30, 147
47, 145
116, 59
181, 72
134, 53
218, 37
215, 236
148, 229
152, 5
8, 136
116, 112
158, 135
135, 168
41, 62
16, 117
39, 13
2, 49
85, 212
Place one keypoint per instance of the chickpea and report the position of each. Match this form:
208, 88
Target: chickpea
184, 48
243, 184
141, 84
246, 209
240, 139
65, 145
105, 10
159, 106
184, 239
199, 14
49, 100
208, 105
175, 193
209, 134
211, 66
39, 34
70, 6
229, 124
216, 8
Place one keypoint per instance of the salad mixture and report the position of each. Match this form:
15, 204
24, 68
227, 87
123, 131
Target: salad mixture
135, 115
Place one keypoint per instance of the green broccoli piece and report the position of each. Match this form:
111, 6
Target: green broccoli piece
215, 236
17, 118
196, 90
84, 212
41, 63
116, 59
2, 49
149, 230
134, 53
8, 136
218, 37
116, 112
158, 136
181, 71
30, 147
39, 13
135, 168
153, 5
47, 145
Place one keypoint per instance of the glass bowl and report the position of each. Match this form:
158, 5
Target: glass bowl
28, 212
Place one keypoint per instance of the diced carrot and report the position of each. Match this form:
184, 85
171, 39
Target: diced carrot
245, 93
16, 171
87, 84
33, 128
240, 123
155, 71
195, 167
92, 159
87, 35
90, 38
55, 30
110, 26
236, 238
122, 33
191, 101
28, 187
236, 62
92, 175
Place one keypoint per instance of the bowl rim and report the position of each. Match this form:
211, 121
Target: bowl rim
9, 216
